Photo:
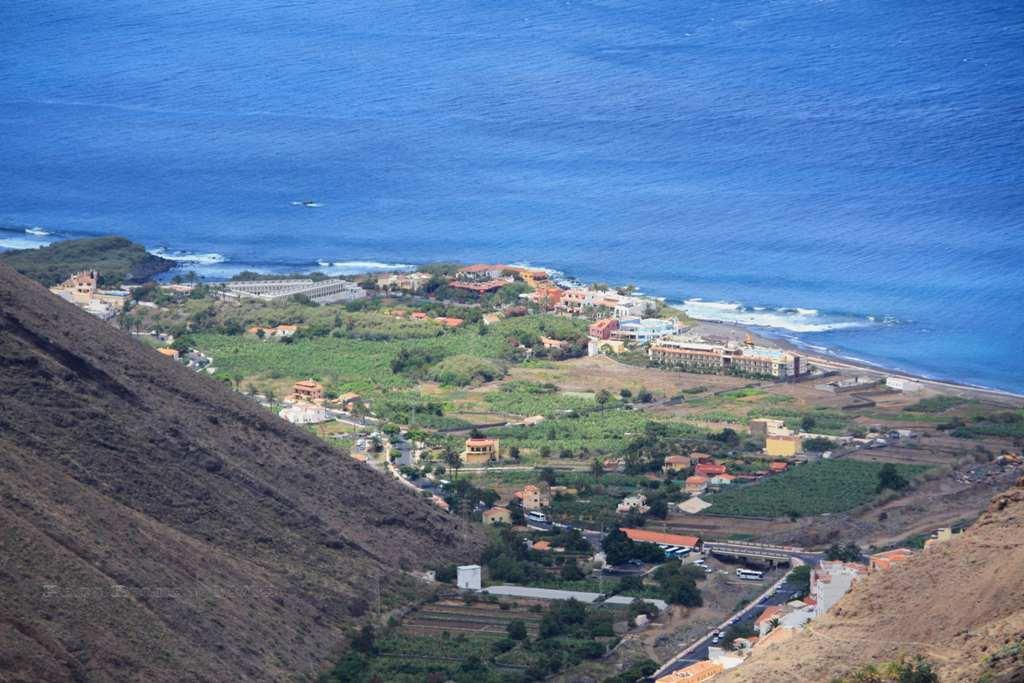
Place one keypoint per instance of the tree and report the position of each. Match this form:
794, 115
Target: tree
514, 453
603, 397
453, 460
625, 394
617, 547
848, 553
571, 571
365, 640
644, 396
808, 423
597, 468
516, 630
890, 478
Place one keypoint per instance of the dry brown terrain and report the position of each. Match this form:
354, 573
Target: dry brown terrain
156, 526
960, 604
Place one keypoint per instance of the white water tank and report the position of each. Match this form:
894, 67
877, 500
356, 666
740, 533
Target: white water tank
469, 577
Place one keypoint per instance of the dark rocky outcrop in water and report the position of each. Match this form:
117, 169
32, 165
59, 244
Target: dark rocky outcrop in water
156, 526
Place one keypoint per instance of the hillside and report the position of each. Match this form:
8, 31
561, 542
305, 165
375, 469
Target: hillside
156, 526
117, 259
959, 604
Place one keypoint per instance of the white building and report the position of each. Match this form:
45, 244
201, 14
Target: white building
903, 384
304, 414
637, 503
468, 577
702, 356
830, 581
645, 330
318, 291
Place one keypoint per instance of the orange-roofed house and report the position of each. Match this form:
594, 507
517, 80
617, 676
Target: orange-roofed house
450, 322
646, 536
481, 451
308, 390
497, 515
722, 480
546, 296
419, 315
602, 329
777, 467
676, 463
169, 352
695, 673
708, 469
696, 484
880, 562
542, 546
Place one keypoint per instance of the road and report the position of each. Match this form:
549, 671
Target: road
698, 650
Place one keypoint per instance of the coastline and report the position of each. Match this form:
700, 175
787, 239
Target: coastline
217, 267
737, 331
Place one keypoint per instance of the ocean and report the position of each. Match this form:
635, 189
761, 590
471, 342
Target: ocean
847, 175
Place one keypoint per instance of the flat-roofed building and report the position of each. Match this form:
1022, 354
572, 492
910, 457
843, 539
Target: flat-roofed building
602, 329
761, 429
644, 330
699, 355
318, 291
783, 446
480, 451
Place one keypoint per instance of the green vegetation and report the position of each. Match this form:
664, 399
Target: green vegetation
462, 370
846, 553
531, 398
1009, 424
117, 259
935, 404
916, 670
811, 489
890, 478
347, 363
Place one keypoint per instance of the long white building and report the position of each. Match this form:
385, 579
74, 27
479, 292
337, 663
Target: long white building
319, 291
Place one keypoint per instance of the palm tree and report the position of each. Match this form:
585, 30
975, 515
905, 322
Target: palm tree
453, 460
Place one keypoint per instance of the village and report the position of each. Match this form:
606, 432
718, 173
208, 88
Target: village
692, 481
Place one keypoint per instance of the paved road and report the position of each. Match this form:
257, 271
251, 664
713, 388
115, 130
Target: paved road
698, 650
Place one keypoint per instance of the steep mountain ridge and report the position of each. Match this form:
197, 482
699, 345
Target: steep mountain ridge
960, 604
154, 525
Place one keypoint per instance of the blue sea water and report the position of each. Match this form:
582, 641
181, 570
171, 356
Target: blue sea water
859, 161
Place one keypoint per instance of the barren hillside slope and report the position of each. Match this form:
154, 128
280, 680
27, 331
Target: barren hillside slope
959, 604
156, 526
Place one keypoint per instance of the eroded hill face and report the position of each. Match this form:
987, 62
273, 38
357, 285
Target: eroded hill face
959, 604
156, 526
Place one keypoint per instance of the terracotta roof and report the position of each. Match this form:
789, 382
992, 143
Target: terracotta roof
708, 468
481, 442
696, 479
677, 460
645, 536
768, 614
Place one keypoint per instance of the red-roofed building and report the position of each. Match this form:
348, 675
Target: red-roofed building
602, 329
777, 467
450, 322
708, 469
696, 484
546, 296
676, 463
763, 624
645, 536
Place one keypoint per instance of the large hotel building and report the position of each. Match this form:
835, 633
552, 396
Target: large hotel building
747, 359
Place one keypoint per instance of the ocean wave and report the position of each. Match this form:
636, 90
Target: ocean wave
37, 231
27, 242
189, 257
800, 320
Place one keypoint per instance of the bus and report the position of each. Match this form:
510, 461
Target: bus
536, 517
749, 574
